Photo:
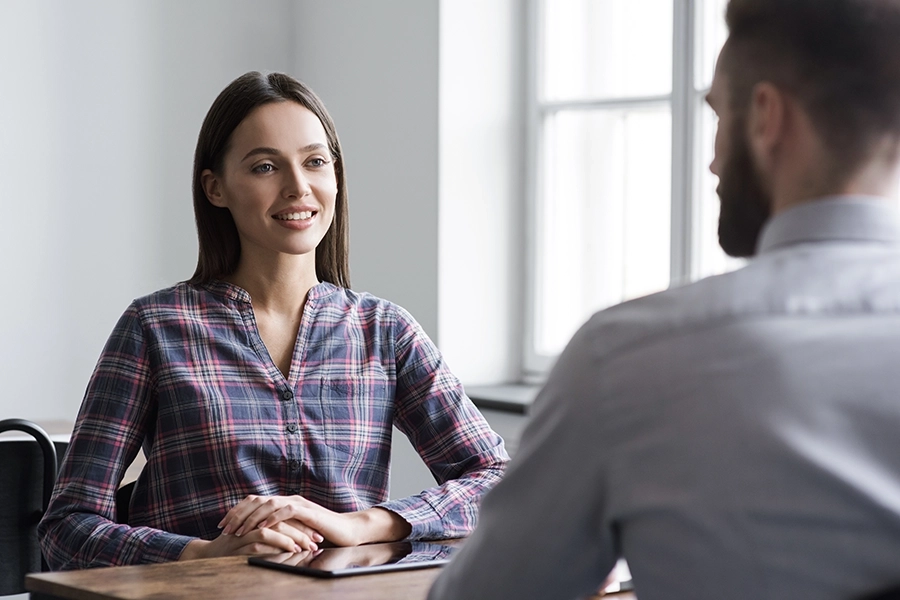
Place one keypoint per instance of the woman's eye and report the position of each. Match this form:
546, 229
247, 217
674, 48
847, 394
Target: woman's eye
317, 162
264, 168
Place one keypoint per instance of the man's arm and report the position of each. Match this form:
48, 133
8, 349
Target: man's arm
542, 532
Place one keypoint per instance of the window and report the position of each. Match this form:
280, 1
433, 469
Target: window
622, 203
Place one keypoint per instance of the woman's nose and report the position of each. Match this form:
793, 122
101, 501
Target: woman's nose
297, 184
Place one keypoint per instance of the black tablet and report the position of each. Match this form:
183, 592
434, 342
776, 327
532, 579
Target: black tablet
358, 560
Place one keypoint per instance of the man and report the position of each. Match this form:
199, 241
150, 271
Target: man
738, 437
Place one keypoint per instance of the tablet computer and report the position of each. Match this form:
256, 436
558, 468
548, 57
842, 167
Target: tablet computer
358, 560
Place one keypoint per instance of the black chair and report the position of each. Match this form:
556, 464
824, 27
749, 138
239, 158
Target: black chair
123, 502
27, 474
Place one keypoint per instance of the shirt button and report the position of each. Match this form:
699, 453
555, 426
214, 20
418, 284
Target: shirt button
287, 395
292, 428
294, 464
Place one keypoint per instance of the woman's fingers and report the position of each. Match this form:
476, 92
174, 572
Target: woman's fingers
303, 536
268, 541
264, 512
285, 513
234, 518
261, 541
261, 511
249, 512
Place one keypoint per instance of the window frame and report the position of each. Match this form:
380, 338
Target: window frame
685, 101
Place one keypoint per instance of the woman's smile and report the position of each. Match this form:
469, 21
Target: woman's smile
298, 219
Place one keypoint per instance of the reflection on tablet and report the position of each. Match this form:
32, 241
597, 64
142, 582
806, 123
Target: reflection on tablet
371, 558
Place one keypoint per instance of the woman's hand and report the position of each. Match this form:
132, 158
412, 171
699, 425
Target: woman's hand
341, 529
281, 537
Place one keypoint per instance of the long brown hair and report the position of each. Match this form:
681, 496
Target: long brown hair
220, 246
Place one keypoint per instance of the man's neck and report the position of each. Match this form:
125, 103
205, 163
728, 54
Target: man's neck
879, 176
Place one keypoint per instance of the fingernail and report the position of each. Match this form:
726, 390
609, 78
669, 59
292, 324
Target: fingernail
263, 524
318, 538
221, 524
239, 532
314, 548
227, 530
297, 548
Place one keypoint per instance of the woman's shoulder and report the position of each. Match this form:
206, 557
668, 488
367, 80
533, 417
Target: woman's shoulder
186, 297
367, 305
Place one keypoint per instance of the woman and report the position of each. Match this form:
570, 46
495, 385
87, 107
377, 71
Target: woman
263, 390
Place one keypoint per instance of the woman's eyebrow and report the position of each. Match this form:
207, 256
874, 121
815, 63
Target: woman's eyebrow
275, 151
260, 150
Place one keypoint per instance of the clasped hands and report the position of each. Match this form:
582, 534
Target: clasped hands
273, 524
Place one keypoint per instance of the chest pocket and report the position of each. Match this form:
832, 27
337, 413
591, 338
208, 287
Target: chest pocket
358, 415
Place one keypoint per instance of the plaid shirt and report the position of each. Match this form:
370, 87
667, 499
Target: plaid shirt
186, 374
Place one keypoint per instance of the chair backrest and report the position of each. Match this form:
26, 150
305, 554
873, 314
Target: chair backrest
27, 474
123, 502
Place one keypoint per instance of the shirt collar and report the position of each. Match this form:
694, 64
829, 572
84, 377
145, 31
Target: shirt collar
239, 294
835, 218
228, 290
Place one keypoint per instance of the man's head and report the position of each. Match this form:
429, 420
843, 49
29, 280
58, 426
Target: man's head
817, 78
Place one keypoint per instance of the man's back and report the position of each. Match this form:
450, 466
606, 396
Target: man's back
736, 438
768, 456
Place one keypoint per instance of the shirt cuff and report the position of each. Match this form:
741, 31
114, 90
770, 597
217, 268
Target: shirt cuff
425, 520
161, 547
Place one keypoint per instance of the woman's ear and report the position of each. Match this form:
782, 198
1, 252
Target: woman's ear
212, 188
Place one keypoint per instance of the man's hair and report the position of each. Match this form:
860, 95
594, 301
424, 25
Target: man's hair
839, 58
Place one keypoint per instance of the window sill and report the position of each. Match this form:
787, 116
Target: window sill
511, 397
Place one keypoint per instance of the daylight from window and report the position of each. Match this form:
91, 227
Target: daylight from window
604, 133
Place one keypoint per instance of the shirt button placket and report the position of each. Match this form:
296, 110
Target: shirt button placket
290, 413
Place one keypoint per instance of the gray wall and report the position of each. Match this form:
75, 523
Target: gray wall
100, 105
375, 65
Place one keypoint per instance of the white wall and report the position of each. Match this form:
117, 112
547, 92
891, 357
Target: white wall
100, 105
481, 190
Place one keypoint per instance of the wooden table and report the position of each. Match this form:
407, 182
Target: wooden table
230, 578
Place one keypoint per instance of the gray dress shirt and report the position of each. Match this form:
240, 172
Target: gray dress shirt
737, 438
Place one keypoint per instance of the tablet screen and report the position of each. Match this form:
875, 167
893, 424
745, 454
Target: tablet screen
358, 560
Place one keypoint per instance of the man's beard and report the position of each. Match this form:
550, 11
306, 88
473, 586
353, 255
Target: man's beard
745, 206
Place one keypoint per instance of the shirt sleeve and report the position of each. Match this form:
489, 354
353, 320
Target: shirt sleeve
464, 454
79, 528
544, 532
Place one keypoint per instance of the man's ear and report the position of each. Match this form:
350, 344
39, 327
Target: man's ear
767, 120
212, 188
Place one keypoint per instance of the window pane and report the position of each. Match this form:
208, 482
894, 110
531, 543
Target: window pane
711, 34
606, 48
709, 257
603, 221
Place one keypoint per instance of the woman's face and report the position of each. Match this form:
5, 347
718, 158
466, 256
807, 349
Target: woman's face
277, 180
